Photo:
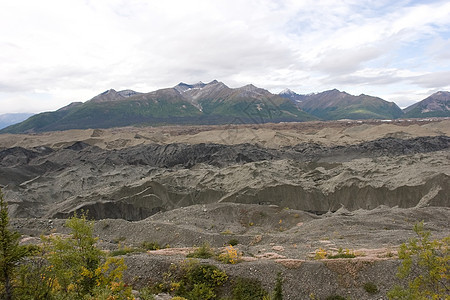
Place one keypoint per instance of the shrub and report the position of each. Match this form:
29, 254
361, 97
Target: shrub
193, 280
322, 254
425, 263
278, 291
78, 268
146, 294
370, 288
150, 246
124, 250
233, 242
248, 289
231, 256
204, 251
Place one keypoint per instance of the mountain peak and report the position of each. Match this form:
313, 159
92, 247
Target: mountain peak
127, 93
436, 105
109, 95
287, 91
184, 87
248, 88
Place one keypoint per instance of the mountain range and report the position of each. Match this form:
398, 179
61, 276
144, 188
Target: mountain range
216, 103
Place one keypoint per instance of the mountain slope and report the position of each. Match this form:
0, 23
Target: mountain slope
212, 103
334, 105
436, 105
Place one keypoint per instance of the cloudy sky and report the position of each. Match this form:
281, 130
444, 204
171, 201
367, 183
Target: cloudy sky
53, 52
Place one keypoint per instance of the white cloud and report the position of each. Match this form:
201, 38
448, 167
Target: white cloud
74, 49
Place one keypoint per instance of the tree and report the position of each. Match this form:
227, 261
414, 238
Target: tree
278, 291
425, 263
10, 250
79, 269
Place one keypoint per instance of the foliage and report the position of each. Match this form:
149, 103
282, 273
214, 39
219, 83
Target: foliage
248, 289
75, 259
425, 264
204, 251
78, 269
342, 254
371, 288
231, 256
150, 245
10, 252
320, 254
323, 254
124, 250
278, 291
193, 280
35, 279
233, 242
146, 294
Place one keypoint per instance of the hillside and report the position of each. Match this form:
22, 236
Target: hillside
335, 105
436, 105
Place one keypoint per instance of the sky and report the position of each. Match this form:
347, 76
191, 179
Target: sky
54, 52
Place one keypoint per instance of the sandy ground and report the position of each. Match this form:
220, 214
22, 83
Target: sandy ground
268, 135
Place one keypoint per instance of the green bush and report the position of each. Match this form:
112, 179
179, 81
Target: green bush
278, 291
146, 294
342, 254
370, 288
233, 242
248, 289
204, 251
193, 280
150, 246
425, 263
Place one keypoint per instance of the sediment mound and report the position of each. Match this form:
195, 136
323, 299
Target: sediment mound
136, 182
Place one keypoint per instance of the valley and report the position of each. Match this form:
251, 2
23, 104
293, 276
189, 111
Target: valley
281, 191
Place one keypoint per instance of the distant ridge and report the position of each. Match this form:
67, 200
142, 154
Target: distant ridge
13, 118
436, 105
216, 103
335, 105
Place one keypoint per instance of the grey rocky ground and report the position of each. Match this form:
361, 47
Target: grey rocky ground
282, 201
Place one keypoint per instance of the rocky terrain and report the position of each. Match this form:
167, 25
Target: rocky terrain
283, 191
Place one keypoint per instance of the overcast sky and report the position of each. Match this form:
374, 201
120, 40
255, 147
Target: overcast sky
56, 52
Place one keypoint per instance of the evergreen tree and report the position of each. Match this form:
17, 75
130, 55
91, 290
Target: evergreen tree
278, 291
10, 251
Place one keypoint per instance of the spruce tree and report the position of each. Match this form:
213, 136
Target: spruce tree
278, 291
10, 250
